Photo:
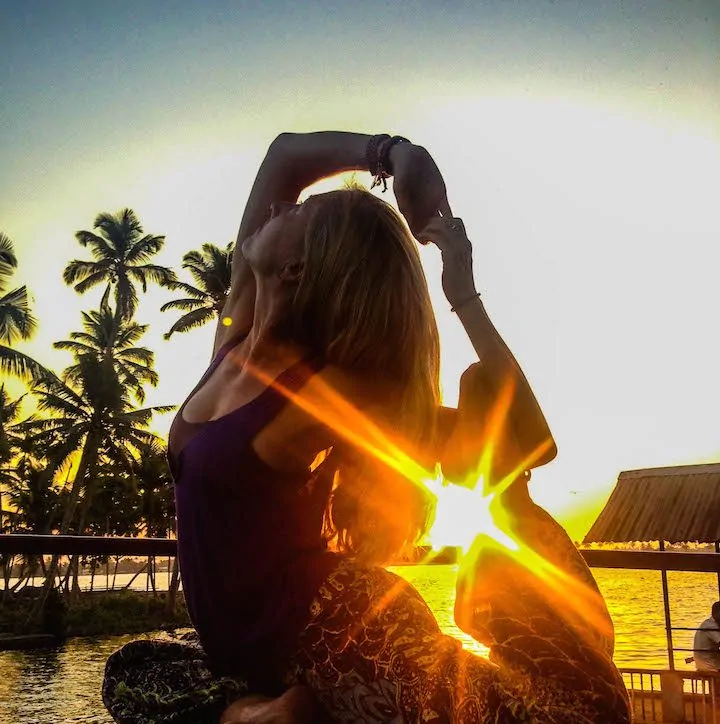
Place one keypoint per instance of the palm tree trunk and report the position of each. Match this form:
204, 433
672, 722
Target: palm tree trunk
75, 569
89, 455
131, 581
173, 588
7, 563
117, 563
21, 575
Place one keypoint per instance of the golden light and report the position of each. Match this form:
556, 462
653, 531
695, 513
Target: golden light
462, 514
475, 518
227, 321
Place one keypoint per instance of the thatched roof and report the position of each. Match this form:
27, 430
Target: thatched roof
677, 505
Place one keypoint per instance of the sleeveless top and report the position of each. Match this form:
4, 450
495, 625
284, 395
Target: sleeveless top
250, 545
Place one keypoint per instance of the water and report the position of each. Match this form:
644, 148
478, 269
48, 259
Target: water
62, 685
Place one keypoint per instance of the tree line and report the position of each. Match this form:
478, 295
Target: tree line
85, 462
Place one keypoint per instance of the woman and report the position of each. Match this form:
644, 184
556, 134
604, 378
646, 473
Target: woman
314, 423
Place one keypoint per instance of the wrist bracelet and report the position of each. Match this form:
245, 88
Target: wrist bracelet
371, 152
378, 151
465, 301
384, 152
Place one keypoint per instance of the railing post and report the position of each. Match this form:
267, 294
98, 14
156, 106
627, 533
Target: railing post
666, 604
672, 697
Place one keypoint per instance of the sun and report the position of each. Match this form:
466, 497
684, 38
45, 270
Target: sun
462, 514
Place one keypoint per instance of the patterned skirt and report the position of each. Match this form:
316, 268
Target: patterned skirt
373, 652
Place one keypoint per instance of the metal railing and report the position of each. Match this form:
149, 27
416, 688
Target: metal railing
31, 544
692, 697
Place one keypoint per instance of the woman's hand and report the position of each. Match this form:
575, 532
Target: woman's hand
418, 185
448, 234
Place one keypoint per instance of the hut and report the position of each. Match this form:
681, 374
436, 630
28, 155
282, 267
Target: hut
668, 505
675, 505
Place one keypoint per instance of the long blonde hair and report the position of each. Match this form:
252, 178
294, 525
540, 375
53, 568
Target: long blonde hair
362, 302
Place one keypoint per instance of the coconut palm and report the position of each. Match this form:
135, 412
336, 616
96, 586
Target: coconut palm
156, 496
16, 320
92, 416
9, 440
155, 488
106, 338
121, 254
35, 499
211, 270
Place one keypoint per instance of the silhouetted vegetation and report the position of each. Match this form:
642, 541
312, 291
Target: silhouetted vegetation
85, 461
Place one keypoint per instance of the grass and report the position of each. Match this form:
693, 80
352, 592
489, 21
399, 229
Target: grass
95, 614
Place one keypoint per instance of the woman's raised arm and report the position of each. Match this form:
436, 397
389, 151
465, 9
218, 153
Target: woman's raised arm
496, 374
293, 162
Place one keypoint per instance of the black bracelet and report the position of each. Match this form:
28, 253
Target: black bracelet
371, 152
380, 146
384, 153
465, 301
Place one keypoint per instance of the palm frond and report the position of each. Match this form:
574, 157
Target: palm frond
22, 366
145, 374
9, 409
161, 275
143, 437
130, 333
16, 319
138, 355
8, 259
121, 230
188, 289
78, 271
134, 384
192, 320
146, 413
144, 249
73, 346
186, 304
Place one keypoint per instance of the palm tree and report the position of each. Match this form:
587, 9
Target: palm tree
211, 269
121, 252
155, 487
104, 337
115, 510
95, 419
157, 498
16, 320
37, 505
92, 416
9, 413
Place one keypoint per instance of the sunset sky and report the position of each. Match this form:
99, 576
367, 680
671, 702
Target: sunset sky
580, 143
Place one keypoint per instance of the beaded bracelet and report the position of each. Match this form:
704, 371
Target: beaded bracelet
465, 301
378, 157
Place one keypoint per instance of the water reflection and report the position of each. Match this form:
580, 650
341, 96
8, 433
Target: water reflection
62, 685
51, 686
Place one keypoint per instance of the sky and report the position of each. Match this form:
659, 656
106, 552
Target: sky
579, 141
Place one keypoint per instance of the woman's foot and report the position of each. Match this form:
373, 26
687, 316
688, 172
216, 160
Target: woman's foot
295, 706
